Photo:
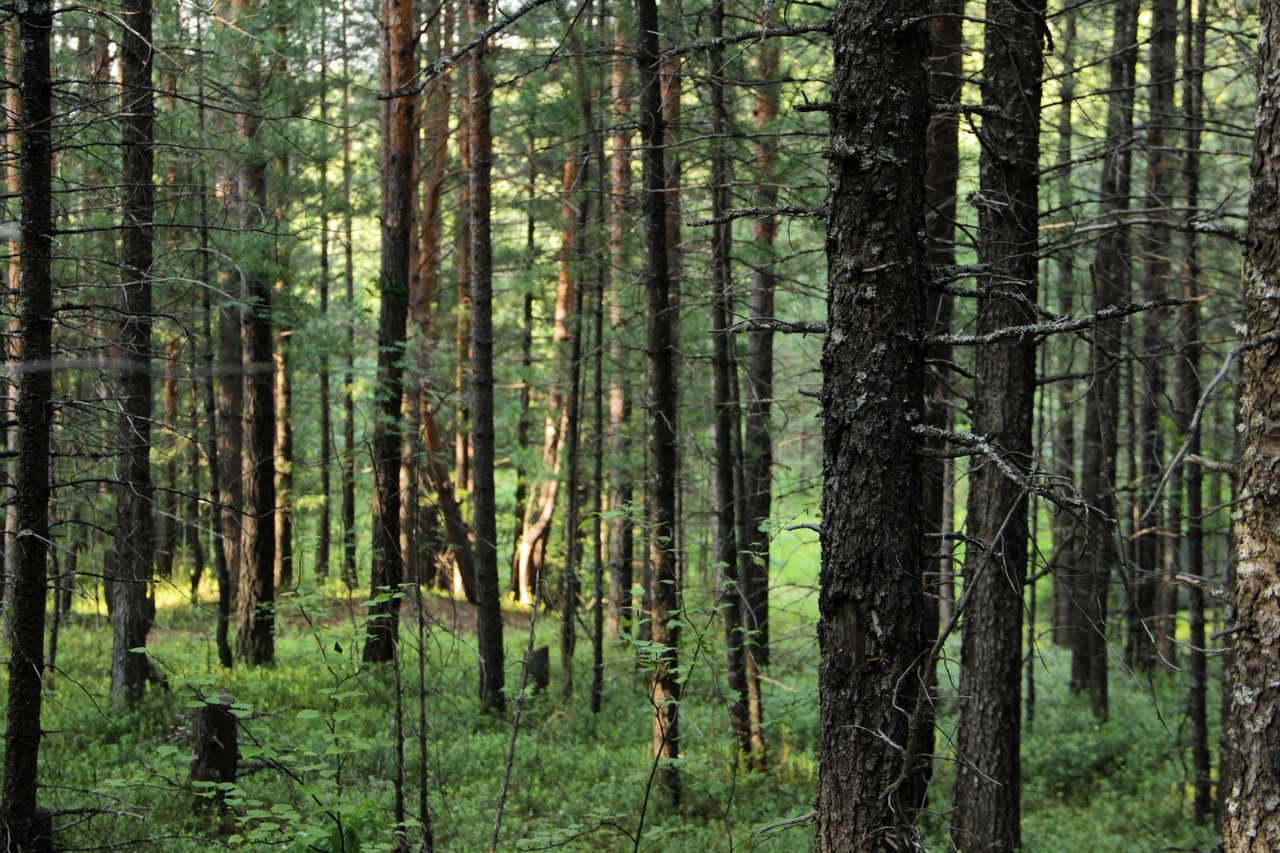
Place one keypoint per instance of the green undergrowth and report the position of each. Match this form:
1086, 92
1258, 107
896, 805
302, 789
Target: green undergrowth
318, 744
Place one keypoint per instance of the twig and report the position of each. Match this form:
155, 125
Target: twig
769, 324
749, 35
791, 821
515, 725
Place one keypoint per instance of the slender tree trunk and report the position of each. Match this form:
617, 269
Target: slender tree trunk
135, 526
1155, 588
255, 637
988, 792
284, 567
399, 36
324, 526
1251, 823
621, 538
349, 373
1188, 372
871, 621
1102, 406
35, 416
488, 610
663, 592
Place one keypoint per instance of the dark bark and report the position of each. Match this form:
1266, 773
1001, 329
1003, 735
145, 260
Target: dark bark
489, 609
663, 592
757, 439
1188, 372
398, 40
217, 752
1111, 284
987, 799
871, 623
135, 524
324, 525
35, 416
349, 373
1251, 822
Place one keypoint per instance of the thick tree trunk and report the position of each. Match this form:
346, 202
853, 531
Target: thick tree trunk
871, 622
988, 791
488, 603
135, 526
399, 36
663, 593
1251, 823
18, 816
1102, 406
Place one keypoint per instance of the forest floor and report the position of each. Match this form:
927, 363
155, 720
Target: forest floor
318, 744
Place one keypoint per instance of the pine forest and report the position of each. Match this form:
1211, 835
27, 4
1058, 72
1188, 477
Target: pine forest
697, 425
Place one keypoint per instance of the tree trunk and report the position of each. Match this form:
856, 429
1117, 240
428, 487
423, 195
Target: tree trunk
135, 526
1188, 372
349, 372
1251, 822
284, 568
987, 798
1102, 406
871, 620
35, 417
663, 592
488, 609
399, 36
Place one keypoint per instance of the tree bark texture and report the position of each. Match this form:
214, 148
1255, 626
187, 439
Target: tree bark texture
1252, 821
663, 594
35, 418
399, 37
135, 520
871, 623
988, 779
485, 555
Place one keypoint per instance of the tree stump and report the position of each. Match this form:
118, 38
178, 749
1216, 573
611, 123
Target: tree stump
217, 755
540, 667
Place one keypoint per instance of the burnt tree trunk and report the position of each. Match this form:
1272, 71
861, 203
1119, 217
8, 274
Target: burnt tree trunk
871, 622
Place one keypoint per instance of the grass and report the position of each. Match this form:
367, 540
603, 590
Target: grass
317, 733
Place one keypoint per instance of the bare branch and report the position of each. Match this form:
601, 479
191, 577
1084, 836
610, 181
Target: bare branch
760, 212
769, 324
435, 69
1039, 330
749, 35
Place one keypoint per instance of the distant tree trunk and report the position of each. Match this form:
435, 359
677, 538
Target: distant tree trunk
35, 416
1193, 563
488, 609
988, 791
621, 538
663, 592
599, 224
284, 568
723, 425
349, 373
757, 440
165, 533
398, 36
871, 621
135, 526
1151, 631
1102, 405
1251, 822
324, 526
255, 638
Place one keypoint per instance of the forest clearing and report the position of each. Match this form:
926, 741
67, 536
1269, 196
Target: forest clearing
847, 425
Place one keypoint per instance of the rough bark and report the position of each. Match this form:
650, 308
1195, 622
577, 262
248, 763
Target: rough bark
1251, 823
398, 36
35, 418
488, 609
987, 798
135, 524
871, 624
663, 594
